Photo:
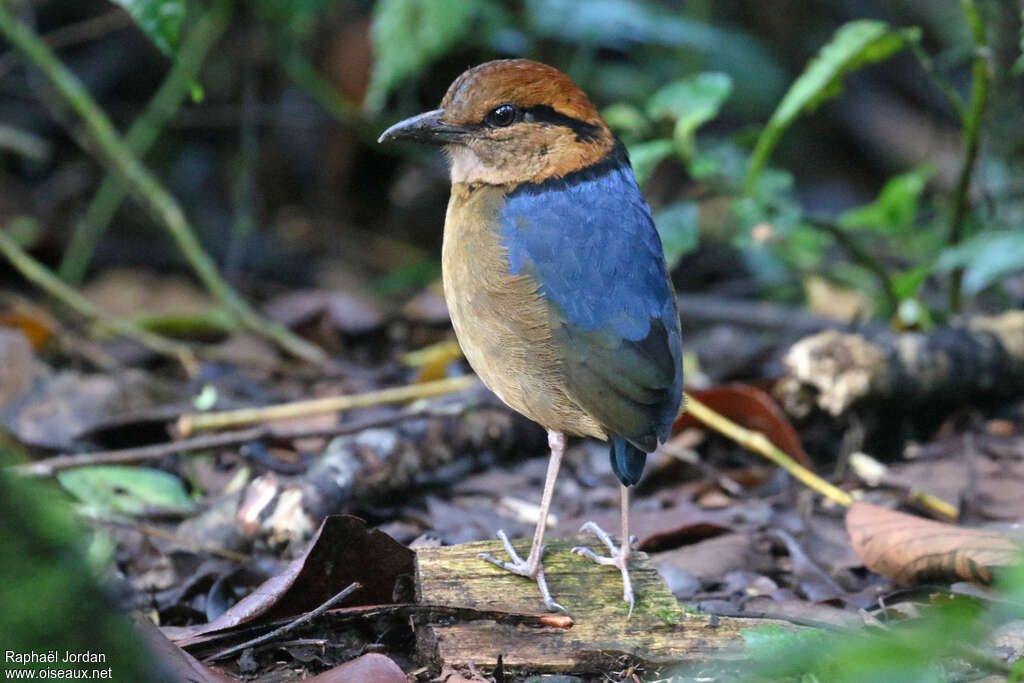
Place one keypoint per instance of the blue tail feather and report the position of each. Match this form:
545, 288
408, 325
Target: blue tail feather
627, 461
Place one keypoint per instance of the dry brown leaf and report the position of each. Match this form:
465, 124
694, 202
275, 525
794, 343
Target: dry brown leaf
911, 549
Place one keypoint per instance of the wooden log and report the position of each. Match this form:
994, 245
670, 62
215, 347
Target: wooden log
603, 637
980, 359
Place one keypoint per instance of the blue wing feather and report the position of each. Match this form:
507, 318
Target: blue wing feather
590, 242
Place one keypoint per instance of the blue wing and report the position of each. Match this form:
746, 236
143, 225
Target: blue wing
590, 243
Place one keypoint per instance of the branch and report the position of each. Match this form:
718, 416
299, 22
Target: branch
860, 256
759, 443
47, 467
39, 274
972, 127
189, 424
112, 151
143, 133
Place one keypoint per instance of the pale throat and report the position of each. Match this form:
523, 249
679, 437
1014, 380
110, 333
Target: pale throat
468, 168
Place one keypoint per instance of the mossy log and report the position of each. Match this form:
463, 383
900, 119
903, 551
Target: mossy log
603, 637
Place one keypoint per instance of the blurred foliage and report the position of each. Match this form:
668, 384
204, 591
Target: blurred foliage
949, 638
160, 20
716, 112
855, 45
50, 591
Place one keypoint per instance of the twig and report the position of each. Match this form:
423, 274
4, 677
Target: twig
191, 544
48, 466
36, 272
189, 424
972, 127
861, 256
73, 34
290, 626
143, 133
100, 135
26, 144
928, 64
759, 443
707, 308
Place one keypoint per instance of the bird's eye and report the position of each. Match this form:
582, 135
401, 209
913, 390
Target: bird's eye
502, 115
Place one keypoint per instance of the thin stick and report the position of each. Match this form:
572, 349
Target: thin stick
150, 530
143, 132
98, 134
39, 274
972, 128
189, 424
290, 626
861, 256
759, 443
48, 466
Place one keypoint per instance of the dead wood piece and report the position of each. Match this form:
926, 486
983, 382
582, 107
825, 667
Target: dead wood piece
835, 370
603, 635
373, 465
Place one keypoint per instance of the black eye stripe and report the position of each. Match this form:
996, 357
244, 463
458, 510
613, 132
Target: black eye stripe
505, 115
542, 113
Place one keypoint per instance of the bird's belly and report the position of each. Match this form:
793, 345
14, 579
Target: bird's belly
504, 328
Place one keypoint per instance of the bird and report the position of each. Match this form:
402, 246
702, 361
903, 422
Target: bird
555, 278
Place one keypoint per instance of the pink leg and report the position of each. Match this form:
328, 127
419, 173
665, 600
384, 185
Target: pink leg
531, 567
619, 556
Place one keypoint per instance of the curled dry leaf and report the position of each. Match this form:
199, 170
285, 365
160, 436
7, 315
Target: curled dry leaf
343, 551
370, 667
911, 549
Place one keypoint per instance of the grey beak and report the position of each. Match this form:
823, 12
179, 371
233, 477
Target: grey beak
426, 128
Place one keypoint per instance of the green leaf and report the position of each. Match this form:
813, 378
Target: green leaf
896, 205
678, 226
645, 156
906, 283
986, 258
690, 102
409, 34
160, 20
855, 44
127, 490
627, 121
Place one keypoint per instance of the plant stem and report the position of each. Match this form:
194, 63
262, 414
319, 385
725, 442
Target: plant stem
972, 126
759, 443
861, 256
191, 423
39, 274
112, 151
143, 133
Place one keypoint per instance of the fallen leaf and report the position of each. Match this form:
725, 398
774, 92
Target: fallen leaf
752, 408
60, 408
15, 364
347, 312
911, 549
37, 325
129, 490
341, 552
370, 667
712, 558
177, 664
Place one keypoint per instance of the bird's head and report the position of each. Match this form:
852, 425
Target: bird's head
511, 121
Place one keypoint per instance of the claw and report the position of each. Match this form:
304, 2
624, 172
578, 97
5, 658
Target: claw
619, 557
531, 568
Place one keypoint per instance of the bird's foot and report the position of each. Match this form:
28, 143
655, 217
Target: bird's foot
619, 557
531, 568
